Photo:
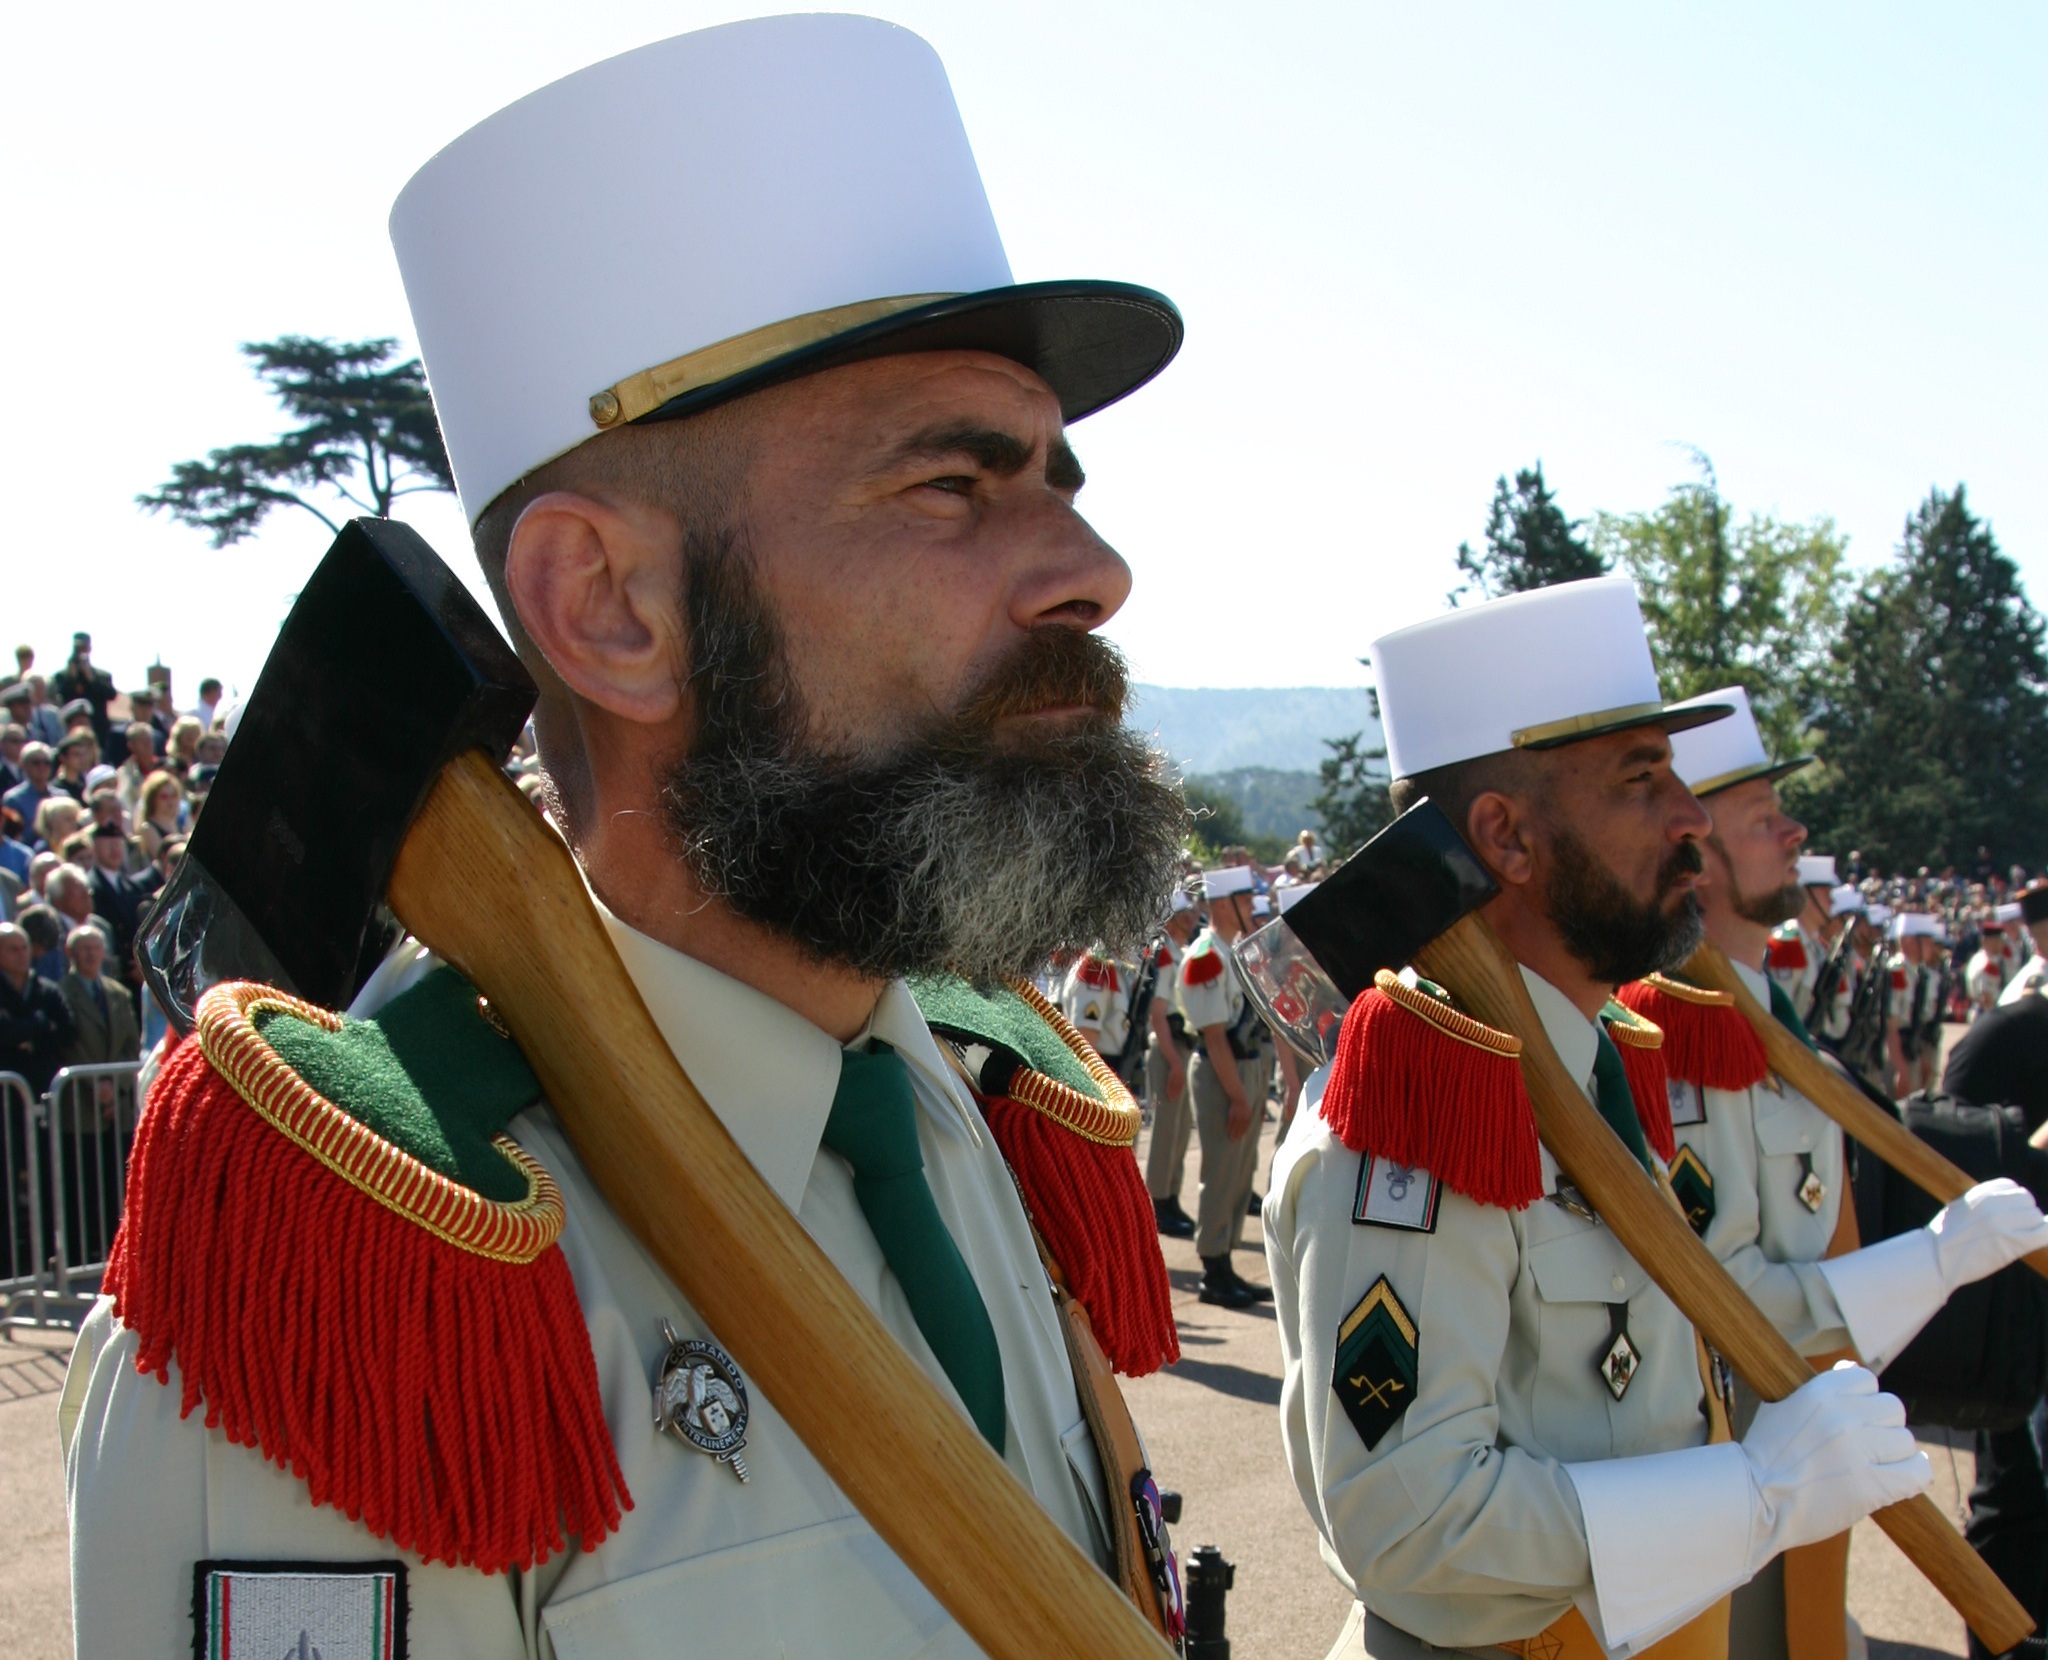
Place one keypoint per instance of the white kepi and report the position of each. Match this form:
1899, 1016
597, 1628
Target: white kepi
712, 214
1729, 752
1817, 870
1531, 671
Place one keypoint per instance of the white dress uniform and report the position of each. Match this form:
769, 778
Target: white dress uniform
1095, 997
1795, 962
1761, 1145
782, 1565
1462, 1526
1210, 995
1166, 1154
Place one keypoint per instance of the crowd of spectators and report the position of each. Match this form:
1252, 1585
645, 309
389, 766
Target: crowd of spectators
98, 790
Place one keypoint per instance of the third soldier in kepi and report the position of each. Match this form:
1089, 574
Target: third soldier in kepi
1503, 1431
1760, 1170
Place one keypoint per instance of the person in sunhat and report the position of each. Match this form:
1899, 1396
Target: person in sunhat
766, 459
1504, 1433
1761, 1171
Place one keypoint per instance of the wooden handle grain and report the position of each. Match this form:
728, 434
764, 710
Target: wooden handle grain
1472, 964
1841, 1100
489, 887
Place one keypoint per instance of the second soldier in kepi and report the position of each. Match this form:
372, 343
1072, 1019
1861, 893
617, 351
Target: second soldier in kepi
1501, 1428
1759, 1169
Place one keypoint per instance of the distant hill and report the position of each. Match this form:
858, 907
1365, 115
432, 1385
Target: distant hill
1215, 729
1273, 803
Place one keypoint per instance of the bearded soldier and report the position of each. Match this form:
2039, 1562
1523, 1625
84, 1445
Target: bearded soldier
766, 463
1501, 1428
1760, 1170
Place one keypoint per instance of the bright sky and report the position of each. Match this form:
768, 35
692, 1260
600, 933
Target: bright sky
1416, 246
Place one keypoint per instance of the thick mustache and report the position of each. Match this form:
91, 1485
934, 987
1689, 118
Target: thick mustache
1054, 668
1685, 860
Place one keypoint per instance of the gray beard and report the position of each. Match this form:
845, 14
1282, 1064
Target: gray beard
1618, 937
944, 853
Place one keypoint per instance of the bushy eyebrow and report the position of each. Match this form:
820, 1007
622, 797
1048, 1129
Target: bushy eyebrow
992, 449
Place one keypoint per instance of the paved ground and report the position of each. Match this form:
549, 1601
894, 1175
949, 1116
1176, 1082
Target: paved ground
1210, 1424
35, 1584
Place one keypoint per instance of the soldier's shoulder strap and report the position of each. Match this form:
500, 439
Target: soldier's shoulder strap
328, 1232
1066, 1126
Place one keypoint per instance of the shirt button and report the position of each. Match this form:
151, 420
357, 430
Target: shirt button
1619, 1283
1806, 1141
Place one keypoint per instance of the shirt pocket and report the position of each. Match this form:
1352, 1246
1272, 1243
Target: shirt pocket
1787, 1126
833, 1589
1577, 1275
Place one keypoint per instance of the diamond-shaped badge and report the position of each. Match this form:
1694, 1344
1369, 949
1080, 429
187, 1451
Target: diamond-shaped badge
1618, 1365
1813, 1192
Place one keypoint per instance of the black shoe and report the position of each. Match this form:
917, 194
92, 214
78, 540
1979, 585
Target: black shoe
1255, 1206
1172, 1220
1221, 1286
1257, 1293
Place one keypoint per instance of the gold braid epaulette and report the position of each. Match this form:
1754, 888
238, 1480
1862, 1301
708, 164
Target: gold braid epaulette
226, 1033
1637, 1031
1451, 1022
1110, 1123
1690, 994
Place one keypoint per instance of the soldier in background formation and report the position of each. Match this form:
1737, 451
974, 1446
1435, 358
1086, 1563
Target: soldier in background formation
2032, 975
1507, 1436
1170, 1046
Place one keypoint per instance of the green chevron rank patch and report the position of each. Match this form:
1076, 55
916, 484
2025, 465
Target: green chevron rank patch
1694, 1185
1376, 1360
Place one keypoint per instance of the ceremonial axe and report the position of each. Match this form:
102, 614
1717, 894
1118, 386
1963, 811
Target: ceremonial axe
1412, 895
366, 771
1836, 1096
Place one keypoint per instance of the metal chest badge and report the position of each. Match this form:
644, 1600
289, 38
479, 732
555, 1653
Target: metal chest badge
701, 1399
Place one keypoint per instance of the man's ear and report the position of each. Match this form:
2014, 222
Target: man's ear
1499, 830
596, 586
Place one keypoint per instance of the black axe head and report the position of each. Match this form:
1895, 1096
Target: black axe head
1391, 898
385, 671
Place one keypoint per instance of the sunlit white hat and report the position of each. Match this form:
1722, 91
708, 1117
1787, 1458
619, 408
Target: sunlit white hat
1261, 905
1879, 913
1909, 923
1729, 752
1531, 671
1844, 899
2008, 912
712, 214
1221, 884
1180, 902
1817, 870
1294, 894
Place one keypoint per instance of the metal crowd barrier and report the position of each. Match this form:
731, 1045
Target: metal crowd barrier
64, 1159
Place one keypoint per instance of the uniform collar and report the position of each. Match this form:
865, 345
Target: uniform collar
1759, 986
1571, 1034
766, 1072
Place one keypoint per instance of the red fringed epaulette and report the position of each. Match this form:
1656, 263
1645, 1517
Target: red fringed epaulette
1098, 972
1706, 1040
1641, 1046
1418, 1082
411, 1350
1074, 1165
1787, 953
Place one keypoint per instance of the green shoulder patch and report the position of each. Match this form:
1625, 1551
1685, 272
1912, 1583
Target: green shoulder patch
1693, 1182
1004, 1021
428, 1073
1377, 1350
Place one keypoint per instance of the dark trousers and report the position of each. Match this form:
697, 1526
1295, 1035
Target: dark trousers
2008, 1523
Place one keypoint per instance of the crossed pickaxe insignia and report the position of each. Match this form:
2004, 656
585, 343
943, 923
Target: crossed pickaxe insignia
1377, 1394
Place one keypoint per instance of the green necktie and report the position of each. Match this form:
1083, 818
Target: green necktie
1787, 1016
1616, 1102
873, 1126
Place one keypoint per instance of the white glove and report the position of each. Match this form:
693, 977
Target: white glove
1668, 1533
1889, 1290
1824, 1457
1995, 1223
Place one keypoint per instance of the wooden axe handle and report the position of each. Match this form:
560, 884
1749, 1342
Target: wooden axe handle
1841, 1100
1470, 961
487, 885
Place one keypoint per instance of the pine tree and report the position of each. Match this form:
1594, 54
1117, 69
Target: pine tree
1753, 604
1529, 542
366, 435
1353, 805
1933, 707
